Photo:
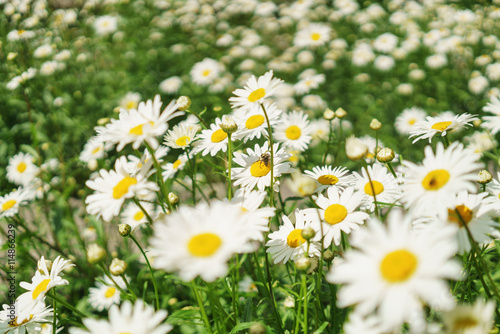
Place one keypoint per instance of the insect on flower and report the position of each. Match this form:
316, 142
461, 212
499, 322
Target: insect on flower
265, 158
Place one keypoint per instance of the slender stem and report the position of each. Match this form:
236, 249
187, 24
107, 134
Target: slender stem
229, 161
391, 169
271, 150
341, 135
193, 177
328, 144
201, 306
107, 273
377, 213
159, 177
199, 117
234, 289
54, 319
138, 203
128, 286
446, 140
68, 306
150, 270
304, 288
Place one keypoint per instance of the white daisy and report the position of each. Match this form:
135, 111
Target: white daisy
94, 149
294, 130
21, 170
199, 241
134, 216
41, 283
39, 314
470, 319
130, 101
492, 123
10, 203
433, 185
169, 169
327, 177
393, 271
383, 186
139, 318
313, 35
440, 124
106, 294
256, 91
256, 167
288, 244
337, 213
252, 122
206, 71
105, 25
309, 82
181, 136
113, 187
406, 121
212, 140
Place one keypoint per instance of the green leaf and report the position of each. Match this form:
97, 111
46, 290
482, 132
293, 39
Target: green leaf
241, 326
321, 328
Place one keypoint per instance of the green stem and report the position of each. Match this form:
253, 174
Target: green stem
148, 217
150, 270
108, 274
159, 177
68, 306
446, 140
54, 319
377, 213
330, 136
128, 286
271, 150
201, 306
192, 163
391, 169
229, 161
304, 288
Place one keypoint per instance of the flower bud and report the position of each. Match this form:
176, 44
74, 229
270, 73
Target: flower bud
328, 114
103, 121
328, 255
228, 125
340, 113
303, 263
117, 267
484, 177
355, 149
308, 233
314, 265
173, 198
375, 124
289, 302
11, 55
95, 253
48, 263
385, 155
257, 328
183, 103
124, 230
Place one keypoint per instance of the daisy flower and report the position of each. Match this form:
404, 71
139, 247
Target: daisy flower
470, 319
440, 124
105, 294
337, 213
144, 163
309, 82
113, 187
252, 122
10, 203
41, 283
433, 185
105, 25
133, 319
492, 123
134, 216
181, 136
171, 168
40, 314
406, 121
393, 271
256, 91
130, 101
294, 130
21, 170
206, 71
383, 186
256, 167
327, 177
199, 241
212, 140
314, 35
288, 244
94, 149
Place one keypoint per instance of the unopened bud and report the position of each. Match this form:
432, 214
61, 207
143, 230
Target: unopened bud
183, 103
314, 265
103, 121
476, 123
117, 267
328, 114
484, 177
375, 124
228, 125
93, 164
385, 155
95, 253
11, 56
124, 230
340, 113
48, 263
173, 198
328, 255
355, 149
308, 233
257, 328
303, 263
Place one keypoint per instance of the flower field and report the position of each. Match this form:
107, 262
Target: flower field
249, 166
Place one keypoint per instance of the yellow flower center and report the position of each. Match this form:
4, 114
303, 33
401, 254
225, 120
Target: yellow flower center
97, 149
8, 204
131, 105
464, 212
335, 214
137, 130
377, 187
110, 292
293, 132
398, 266
21, 167
205, 73
436, 179
412, 121
254, 121
176, 164
204, 244
259, 168
14, 322
122, 187
461, 325
20, 32
328, 179
295, 238
218, 136
183, 141
257, 95
441, 126
41, 288
315, 36
139, 215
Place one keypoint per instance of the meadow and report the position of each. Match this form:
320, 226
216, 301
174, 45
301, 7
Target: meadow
248, 166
